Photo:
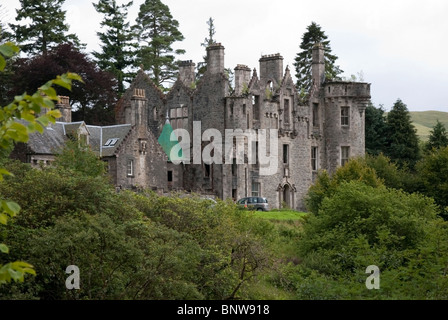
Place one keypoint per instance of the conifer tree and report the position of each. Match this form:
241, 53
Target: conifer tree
403, 142
375, 130
116, 40
438, 137
202, 66
47, 28
303, 60
157, 31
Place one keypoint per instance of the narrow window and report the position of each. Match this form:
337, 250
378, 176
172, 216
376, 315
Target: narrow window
256, 107
170, 176
255, 189
345, 155
286, 110
130, 168
315, 115
345, 116
285, 153
314, 163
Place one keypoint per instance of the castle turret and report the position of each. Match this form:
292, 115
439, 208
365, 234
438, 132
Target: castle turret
215, 58
242, 78
271, 67
318, 64
186, 72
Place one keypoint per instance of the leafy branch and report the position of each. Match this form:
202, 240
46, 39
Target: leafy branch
24, 107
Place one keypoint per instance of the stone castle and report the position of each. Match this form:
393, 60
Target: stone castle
323, 134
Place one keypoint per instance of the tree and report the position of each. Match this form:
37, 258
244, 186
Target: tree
94, 100
375, 130
80, 158
303, 60
157, 31
117, 48
438, 137
47, 28
24, 107
5, 35
202, 66
433, 171
402, 140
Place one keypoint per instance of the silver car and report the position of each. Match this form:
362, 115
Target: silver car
254, 203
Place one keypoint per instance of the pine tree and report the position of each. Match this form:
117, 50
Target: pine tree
438, 137
116, 48
403, 142
157, 30
47, 28
375, 130
202, 66
5, 35
303, 60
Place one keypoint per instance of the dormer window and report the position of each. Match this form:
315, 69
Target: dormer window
111, 142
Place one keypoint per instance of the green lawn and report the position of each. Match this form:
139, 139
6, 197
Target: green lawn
281, 214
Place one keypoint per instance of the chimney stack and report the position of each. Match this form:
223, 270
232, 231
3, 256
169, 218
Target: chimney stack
215, 58
242, 76
271, 67
318, 64
64, 107
186, 72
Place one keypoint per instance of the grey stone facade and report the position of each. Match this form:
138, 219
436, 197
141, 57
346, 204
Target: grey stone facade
320, 135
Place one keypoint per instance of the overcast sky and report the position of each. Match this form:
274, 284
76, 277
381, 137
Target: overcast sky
399, 45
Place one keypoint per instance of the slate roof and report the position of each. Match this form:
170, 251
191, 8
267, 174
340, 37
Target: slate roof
54, 136
100, 135
49, 142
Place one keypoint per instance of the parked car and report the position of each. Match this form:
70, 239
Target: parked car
254, 203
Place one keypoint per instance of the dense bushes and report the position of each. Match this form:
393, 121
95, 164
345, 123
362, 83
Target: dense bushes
127, 245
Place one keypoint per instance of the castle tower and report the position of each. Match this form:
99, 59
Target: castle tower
215, 58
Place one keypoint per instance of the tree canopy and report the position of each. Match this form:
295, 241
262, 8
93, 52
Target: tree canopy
438, 137
303, 60
157, 31
402, 139
47, 28
117, 47
92, 100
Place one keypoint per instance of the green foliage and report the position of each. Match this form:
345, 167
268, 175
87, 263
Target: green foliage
433, 172
46, 29
354, 170
393, 176
117, 49
402, 141
24, 107
80, 158
375, 130
360, 225
303, 60
157, 31
438, 137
